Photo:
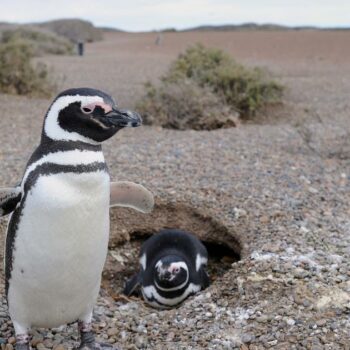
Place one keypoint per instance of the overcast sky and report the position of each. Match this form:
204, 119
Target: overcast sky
142, 15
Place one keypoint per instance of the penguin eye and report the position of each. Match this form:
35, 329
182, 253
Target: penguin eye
86, 110
176, 270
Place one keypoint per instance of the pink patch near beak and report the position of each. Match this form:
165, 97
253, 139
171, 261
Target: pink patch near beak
91, 106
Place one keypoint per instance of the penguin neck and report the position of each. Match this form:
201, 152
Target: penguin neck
51, 145
47, 145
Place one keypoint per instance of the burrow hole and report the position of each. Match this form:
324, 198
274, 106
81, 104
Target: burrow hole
122, 261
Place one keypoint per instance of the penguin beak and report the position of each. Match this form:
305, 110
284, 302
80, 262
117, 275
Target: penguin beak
165, 276
122, 118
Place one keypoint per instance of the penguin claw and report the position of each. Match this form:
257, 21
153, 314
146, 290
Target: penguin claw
88, 343
23, 347
95, 346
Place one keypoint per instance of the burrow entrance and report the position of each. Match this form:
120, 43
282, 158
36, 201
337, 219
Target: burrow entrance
130, 229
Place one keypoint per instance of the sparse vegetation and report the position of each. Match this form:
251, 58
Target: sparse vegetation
211, 72
40, 40
186, 105
17, 73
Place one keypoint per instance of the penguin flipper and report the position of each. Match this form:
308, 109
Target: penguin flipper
9, 198
132, 284
205, 280
131, 195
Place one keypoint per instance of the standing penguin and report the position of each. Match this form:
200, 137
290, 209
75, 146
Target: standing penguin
172, 267
57, 235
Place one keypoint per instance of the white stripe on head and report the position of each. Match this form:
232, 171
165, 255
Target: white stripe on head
200, 260
178, 264
172, 288
150, 292
143, 261
75, 157
52, 128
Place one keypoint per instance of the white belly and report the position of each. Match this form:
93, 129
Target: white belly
60, 249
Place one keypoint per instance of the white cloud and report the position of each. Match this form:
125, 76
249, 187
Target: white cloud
154, 14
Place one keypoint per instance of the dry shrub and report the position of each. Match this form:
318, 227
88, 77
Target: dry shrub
18, 75
202, 73
185, 106
244, 89
40, 40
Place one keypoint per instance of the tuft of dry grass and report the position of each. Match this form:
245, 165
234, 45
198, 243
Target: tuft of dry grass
17, 73
185, 106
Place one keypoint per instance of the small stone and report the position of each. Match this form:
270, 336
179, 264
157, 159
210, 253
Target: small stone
36, 341
11, 340
306, 303
140, 342
41, 346
170, 337
48, 343
312, 190
322, 322
262, 319
272, 342
247, 338
112, 331
59, 347
290, 322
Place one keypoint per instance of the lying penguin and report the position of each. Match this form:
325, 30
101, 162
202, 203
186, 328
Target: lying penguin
172, 267
57, 236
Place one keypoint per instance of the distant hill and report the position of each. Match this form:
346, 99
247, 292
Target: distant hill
74, 29
110, 29
237, 27
254, 26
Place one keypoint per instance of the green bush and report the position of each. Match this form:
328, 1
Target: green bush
18, 75
246, 90
205, 89
41, 41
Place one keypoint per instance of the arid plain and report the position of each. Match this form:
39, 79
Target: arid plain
275, 191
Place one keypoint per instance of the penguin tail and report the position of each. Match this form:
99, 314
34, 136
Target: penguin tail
9, 198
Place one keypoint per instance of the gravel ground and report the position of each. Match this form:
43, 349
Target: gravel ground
275, 193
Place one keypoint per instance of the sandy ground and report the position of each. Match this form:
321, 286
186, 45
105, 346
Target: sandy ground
276, 192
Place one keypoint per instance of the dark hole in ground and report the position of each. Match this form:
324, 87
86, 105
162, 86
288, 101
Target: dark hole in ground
122, 263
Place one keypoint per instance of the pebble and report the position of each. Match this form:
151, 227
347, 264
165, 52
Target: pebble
112, 331
41, 346
12, 340
60, 347
248, 169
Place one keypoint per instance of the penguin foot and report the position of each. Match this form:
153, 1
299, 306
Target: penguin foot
23, 347
22, 342
88, 343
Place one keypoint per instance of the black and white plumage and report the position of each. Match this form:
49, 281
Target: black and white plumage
58, 231
172, 267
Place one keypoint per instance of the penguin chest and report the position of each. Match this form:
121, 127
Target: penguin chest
60, 247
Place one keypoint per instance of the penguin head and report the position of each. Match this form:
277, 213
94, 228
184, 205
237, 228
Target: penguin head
171, 272
86, 115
